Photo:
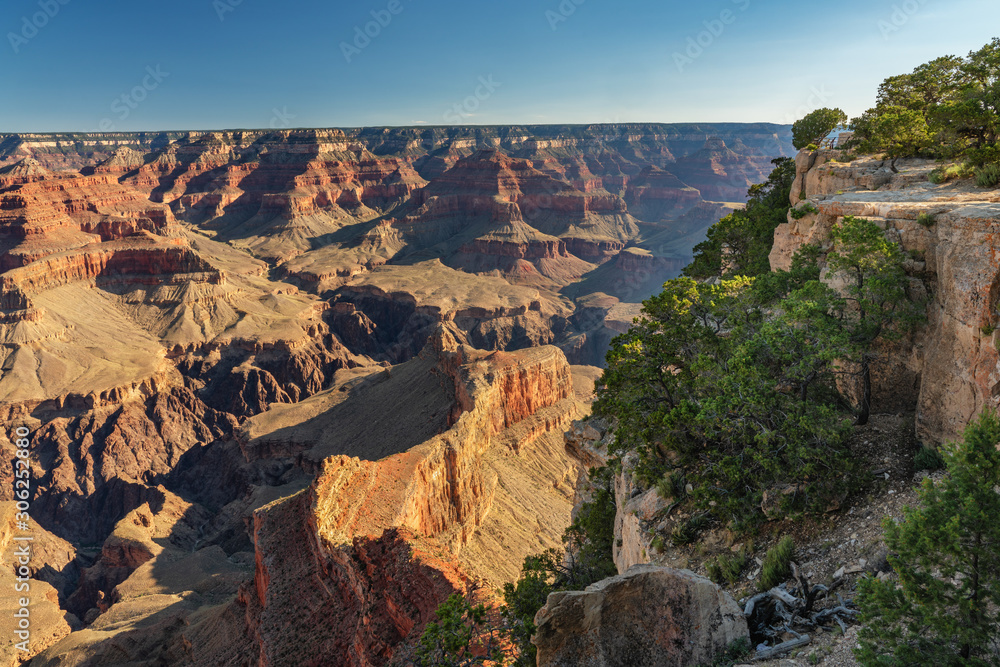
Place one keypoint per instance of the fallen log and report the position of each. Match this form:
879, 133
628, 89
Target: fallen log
781, 649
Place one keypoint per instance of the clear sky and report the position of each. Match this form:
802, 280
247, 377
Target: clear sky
85, 65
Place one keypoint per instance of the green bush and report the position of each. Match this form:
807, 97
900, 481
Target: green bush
926, 219
988, 176
777, 566
672, 486
803, 211
462, 635
727, 568
687, 531
945, 609
736, 652
927, 459
812, 147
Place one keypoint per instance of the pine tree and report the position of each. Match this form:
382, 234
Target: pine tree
946, 551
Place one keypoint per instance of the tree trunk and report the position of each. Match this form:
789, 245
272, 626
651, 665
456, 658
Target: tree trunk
865, 409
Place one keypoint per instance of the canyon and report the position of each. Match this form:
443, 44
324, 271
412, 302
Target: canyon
287, 391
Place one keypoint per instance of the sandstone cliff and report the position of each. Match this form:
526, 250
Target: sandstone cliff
949, 372
357, 561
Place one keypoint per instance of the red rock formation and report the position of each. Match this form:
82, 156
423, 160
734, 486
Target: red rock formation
722, 174
380, 536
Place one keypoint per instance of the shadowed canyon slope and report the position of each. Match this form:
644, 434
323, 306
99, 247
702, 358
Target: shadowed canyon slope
282, 381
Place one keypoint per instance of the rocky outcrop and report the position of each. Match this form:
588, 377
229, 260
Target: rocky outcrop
370, 529
950, 371
647, 617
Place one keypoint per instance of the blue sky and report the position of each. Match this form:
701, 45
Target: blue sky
85, 65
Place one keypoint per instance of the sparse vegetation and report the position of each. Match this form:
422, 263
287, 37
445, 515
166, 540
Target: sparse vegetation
672, 486
988, 176
926, 219
727, 568
777, 566
461, 637
735, 653
928, 458
587, 559
945, 609
686, 532
804, 210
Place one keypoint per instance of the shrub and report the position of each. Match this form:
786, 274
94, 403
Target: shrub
462, 635
812, 147
686, 532
736, 652
926, 219
777, 564
945, 608
945, 174
672, 486
727, 568
803, 211
988, 176
927, 458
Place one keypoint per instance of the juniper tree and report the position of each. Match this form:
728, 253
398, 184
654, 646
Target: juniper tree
877, 287
946, 551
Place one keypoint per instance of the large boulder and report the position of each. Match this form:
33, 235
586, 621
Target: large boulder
649, 616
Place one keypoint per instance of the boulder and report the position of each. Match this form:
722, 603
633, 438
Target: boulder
649, 616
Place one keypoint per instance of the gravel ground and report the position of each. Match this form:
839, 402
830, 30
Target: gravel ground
850, 538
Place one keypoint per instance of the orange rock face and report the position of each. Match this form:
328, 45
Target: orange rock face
949, 372
198, 332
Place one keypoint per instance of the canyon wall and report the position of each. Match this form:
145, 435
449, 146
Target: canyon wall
948, 372
259, 368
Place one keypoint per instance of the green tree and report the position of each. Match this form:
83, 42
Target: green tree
896, 131
734, 392
948, 107
877, 287
816, 126
946, 551
462, 636
586, 560
740, 243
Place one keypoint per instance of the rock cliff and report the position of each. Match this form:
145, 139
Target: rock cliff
949, 372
